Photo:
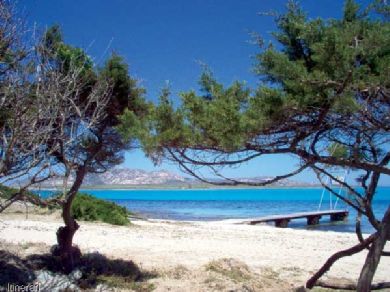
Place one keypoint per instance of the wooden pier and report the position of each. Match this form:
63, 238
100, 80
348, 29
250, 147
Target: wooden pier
313, 218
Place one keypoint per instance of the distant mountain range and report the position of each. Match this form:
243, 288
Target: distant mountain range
120, 176
123, 176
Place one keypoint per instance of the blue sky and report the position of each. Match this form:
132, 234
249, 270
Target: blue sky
167, 40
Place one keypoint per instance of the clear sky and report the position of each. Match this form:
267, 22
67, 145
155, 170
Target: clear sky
166, 40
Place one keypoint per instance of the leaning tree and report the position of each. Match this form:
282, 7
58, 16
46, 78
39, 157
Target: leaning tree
59, 115
87, 140
324, 97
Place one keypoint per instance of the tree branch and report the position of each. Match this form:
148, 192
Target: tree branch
347, 252
233, 182
353, 287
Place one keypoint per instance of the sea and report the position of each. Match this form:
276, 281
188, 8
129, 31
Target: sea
220, 204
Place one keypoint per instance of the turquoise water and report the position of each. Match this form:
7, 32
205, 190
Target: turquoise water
220, 204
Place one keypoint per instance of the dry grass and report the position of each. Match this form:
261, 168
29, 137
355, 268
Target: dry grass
126, 284
233, 275
177, 273
230, 268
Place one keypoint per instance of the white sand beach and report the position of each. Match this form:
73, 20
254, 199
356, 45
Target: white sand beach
188, 247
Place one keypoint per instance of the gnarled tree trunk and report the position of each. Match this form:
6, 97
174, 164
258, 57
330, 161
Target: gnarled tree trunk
374, 254
69, 254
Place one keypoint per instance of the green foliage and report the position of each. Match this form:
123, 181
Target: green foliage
213, 118
88, 208
8, 192
125, 98
66, 57
126, 94
338, 150
317, 65
351, 10
319, 55
52, 38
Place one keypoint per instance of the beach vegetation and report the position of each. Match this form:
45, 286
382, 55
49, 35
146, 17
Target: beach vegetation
124, 283
230, 268
231, 274
5, 192
8, 192
178, 272
85, 207
323, 97
88, 208
9, 195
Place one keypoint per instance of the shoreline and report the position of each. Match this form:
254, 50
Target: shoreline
229, 204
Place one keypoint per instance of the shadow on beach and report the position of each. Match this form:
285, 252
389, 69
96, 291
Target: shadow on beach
95, 271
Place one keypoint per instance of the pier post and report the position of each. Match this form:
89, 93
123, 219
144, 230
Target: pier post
283, 223
338, 216
313, 220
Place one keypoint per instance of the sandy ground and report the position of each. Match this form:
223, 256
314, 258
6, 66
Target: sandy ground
184, 249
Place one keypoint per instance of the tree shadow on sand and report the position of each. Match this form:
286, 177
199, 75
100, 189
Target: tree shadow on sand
14, 270
95, 271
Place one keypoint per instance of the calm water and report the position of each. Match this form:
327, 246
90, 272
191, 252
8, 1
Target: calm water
236, 203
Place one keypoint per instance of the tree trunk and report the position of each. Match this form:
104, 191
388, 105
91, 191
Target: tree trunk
374, 254
69, 254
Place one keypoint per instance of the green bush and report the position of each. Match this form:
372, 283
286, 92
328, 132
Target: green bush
8, 192
85, 207
88, 208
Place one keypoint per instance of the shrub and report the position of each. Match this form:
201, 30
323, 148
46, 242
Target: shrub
8, 192
88, 208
